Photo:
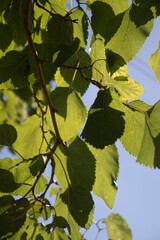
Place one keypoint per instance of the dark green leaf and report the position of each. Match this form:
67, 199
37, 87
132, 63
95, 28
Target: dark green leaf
14, 66
81, 164
60, 31
65, 52
8, 134
5, 37
14, 218
62, 210
80, 204
105, 121
36, 165
14, 18
118, 6
4, 4
101, 14
5, 203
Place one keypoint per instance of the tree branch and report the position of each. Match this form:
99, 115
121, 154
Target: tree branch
38, 68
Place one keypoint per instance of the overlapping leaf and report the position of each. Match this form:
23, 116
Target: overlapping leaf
117, 227
118, 6
154, 62
107, 169
150, 151
28, 133
128, 88
81, 27
71, 77
105, 121
62, 211
78, 165
121, 39
98, 57
134, 126
12, 220
14, 69
71, 112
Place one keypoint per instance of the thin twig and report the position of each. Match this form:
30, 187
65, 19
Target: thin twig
39, 70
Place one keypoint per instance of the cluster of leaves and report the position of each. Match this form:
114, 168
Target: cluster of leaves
44, 72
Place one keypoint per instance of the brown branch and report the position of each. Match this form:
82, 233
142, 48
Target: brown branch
51, 179
38, 68
97, 84
49, 156
58, 15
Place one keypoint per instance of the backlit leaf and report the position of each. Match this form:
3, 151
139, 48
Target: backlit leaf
107, 169
117, 227
154, 62
134, 126
71, 112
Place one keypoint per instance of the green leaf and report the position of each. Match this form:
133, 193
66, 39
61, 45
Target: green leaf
76, 166
150, 151
36, 165
60, 31
81, 164
154, 62
14, 18
4, 4
101, 128
128, 88
101, 14
14, 68
107, 169
117, 227
40, 210
134, 126
14, 218
71, 77
65, 52
59, 234
116, 64
118, 6
80, 29
98, 57
62, 210
5, 203
13, 173
71, 112
29, 132
26, 186
153, 119
80, 204
5, 37
8, 134
119, 36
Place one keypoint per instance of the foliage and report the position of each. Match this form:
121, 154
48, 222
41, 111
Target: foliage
45, 69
